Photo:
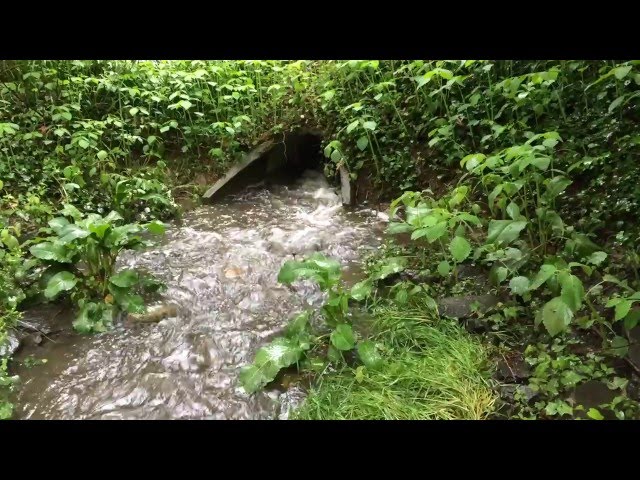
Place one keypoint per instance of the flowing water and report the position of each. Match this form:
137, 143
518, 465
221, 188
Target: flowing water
220, 265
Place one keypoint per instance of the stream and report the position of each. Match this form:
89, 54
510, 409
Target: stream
220, 265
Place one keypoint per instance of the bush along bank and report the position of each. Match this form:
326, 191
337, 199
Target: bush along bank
530, 165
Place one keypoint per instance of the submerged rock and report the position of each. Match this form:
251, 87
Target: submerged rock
11, 345
460, 307
594, 394
513, 371
154, 314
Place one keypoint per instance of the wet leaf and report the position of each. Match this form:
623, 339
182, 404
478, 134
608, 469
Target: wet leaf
361, 290
125, 279
156, 227
505, 231
71, 211
342, 337
619, 346
556, 316
572, 290
545, 273
60, 282
363, 143
390, 266
435, 232
631, 320
252, 378
594, 414
50, 251
397, 227
444, 268
368, 353
596, 258
622, 309
298, 324
519, 285
556, 186
460, 249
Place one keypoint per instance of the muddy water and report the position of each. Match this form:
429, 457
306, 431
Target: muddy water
220, 265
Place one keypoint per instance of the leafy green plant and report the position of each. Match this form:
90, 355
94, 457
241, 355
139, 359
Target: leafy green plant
79, 259
300, 336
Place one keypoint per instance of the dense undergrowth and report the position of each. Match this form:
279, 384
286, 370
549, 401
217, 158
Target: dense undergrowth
524, 169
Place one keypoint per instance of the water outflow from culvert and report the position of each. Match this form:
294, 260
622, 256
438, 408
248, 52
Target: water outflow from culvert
220, 265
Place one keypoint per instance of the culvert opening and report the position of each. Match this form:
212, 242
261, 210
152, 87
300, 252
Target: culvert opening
277, 161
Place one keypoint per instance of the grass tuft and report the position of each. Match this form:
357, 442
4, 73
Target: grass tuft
433, 370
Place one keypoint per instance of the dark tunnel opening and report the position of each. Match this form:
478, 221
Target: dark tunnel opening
282, 162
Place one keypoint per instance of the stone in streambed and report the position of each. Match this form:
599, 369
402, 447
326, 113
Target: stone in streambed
460, 307
11, 345
154, 314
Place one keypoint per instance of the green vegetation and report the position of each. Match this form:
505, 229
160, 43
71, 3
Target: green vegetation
524, 171
427, 370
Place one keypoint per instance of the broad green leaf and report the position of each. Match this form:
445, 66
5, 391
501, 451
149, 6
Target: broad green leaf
616, 103
556, 186
101, 155
252, 378
621, 72
298, 324
125, 278
361, 290
363, 143
58, 223
619, 346
572, 290
596, 258
352, 125
156, 227
472, 161
631, 319
595, 414
9, 240
444, 268
133, 304
556, 316
99, 229
93, 317
460, 249
437, 231
370, 125
121, 236
369, 355
545, 273
513, 211
498, 274
71, 211
343, 338
50, 251
519, 285
333, 354
492, 196
396, 227
71, 232
60, 282
389, 266
505, 231
622, 309
336, 156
